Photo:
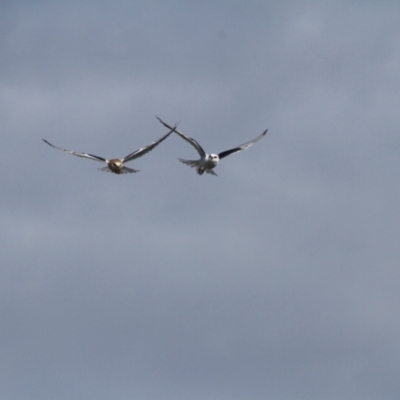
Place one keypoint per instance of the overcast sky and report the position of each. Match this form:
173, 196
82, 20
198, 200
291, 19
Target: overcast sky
278, 279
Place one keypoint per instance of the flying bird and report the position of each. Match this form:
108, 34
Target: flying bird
208, 162
116, 165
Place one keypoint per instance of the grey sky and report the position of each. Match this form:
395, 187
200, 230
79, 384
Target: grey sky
278, 279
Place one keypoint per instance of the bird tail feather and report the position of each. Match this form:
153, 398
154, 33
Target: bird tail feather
125, 170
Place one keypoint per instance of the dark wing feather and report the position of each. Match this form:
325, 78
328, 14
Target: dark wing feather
76, 153
242, 147
190, 140
227, 152
141, 152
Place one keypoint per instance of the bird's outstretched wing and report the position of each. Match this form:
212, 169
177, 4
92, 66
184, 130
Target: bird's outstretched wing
242, 147
193, 142
141, 152
76, 153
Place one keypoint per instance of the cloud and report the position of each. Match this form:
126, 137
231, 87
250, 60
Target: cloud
276, 279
